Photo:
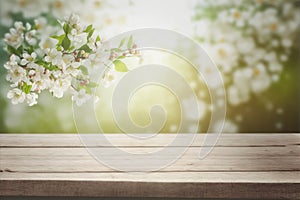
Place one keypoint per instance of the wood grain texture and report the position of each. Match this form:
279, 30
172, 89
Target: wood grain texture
252, 166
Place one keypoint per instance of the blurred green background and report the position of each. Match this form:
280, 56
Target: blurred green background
277, 109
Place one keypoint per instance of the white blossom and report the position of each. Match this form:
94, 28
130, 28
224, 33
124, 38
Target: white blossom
19, 27
249, 42
110, 77
261, 80
74, 20
225, 56
58, 70
28, 58
78, 39
59, 86
30, 37
14, 38
16, 74
31, 99
13, 62
53, 56
80, 97
16, 96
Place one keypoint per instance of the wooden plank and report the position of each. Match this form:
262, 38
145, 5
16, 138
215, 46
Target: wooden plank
183, 176
73, 140
221, 159
252, 166
144, 189
292, 150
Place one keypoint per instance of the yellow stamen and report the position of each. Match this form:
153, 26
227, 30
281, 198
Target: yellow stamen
273, 27
22, 3
221, 52
58, 4
237, 15
97, 3
256, 72
108, 21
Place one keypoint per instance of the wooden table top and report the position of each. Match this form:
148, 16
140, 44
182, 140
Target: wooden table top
252, 166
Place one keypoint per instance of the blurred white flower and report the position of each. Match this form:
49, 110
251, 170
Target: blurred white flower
110, 77
249, 42
260, 79
74, 20
16, 96
19, 27
237, 17
246, 46
59, 86
77, 39
225, 56
98, 58
237, 95
80, 97
228, 126
31, 99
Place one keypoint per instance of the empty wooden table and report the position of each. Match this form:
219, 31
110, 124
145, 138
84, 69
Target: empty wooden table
252, 166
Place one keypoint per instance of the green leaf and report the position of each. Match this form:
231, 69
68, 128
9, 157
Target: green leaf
98, 39
60, 38
53, 68
116, 50
67, 28
71, 48
43, 63
121, 57
92, 84
59, 48
88, 29
120, 66
122, 42
12, 50
86, 48
84, 70
87, 90
66, 43
20, 50
30, 49
26, 88
130, 42
90, 33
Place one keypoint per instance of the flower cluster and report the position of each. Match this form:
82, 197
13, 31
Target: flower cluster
248, 40
33, 68
107, 16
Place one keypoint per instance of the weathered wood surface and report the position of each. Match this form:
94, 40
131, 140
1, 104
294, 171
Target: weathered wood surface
261, 166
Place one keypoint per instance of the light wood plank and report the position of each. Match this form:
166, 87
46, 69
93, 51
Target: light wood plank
185, 177
220, 159
73, 140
